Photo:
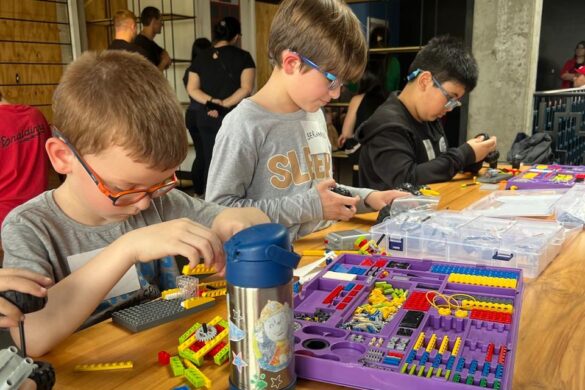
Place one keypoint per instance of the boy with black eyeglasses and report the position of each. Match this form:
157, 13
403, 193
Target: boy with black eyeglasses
272, 151
404, 142
107, 235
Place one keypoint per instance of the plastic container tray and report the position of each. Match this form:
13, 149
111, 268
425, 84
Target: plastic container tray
466, 238
541, 176
570, 209
529, 203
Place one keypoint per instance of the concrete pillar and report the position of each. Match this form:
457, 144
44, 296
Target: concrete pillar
505, 44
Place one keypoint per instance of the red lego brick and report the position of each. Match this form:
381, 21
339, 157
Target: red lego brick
381, 263
329, 298
358, 287
502, 356
367, 261
352, 293
417, 300
215, 349
492, 316
219, 328
347, 299
341, 306
395, 354
196, 346
490, 352
163, 358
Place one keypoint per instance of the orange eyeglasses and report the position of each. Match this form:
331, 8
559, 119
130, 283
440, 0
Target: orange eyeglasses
121, 198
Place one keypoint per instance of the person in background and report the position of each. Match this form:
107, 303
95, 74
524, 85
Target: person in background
568, 73
197, 170
390, 67
370, 95
219, 79
125, 27
23, 160
579, 81
151, 20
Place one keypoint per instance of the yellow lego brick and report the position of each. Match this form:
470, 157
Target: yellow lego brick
104, 366
196, 301
477, 280
420, 371
429, 372
456, 346
419, 341
214, 293
216, 284
431, 344
171, 292
209, 345
438, 374
412, 368
176, 366
444, 344
200, 269
188, 363
404, 367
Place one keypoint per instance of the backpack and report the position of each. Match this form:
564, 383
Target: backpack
536, 149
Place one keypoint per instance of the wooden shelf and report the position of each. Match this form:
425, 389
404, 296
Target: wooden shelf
395, 50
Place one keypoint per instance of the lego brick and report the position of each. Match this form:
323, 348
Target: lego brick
164, 358
104, 366
197, 378
13, 368
214, 293
222, 356
200, 269
195, 302
417, 300
339, 276
153, 313
176, 366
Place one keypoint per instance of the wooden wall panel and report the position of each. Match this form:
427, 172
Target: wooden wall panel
99, 35
29, 9
30, 74
12, 30
29, 94
30, 52
264, 15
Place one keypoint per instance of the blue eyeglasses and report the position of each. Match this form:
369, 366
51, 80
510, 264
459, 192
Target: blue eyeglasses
334, 82
452, 102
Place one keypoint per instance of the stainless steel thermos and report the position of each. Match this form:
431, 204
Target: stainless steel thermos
259, 274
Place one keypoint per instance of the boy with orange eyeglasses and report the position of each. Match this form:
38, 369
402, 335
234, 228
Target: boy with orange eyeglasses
107, 234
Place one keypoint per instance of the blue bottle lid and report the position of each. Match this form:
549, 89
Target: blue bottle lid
260, 257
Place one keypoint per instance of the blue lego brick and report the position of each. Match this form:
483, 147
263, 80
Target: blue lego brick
349, 286
455, 269
150, 314
391, 360
340, 268
486, 369
357, 271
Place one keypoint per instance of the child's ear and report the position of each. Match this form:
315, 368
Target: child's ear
290, 62
424, 81
60, 155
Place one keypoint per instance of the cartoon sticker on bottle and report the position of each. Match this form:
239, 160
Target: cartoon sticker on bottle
273, 336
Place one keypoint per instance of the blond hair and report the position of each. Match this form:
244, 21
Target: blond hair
325, 31
118, 98
121, 17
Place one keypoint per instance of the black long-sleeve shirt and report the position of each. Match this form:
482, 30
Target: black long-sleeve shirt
397, 149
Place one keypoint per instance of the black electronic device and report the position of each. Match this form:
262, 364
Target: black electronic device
412, 319
493, 156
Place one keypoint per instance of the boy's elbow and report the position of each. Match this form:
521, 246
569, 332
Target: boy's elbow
36, 346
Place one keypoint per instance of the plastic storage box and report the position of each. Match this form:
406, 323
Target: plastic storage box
465, 238
541, 176
570, 209
529, 203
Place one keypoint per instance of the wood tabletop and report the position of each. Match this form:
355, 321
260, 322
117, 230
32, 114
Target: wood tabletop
551, 342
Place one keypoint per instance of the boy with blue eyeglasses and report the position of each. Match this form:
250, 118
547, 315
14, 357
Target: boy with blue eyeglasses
272, 151
404, 142
107, 235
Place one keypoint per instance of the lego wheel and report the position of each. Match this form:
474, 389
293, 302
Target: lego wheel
44, 376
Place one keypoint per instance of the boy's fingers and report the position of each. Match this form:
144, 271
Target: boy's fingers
9, 311
22, 285
7, 322
211, 237
24, 273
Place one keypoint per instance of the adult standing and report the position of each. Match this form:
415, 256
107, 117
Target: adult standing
151, 20
569, 71
125, 27
219, 79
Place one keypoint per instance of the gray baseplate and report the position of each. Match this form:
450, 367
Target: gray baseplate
150, 314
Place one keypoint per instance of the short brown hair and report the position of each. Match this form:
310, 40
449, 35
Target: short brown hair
119, 98
325, 31
121, 16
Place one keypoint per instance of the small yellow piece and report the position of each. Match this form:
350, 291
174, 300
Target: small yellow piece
421, 370
195, 301
104, 366
170, 292
432, 341
444, 344
461, 313
456, 346
214, 293
419, 341
444, 311
200, 269
412, 369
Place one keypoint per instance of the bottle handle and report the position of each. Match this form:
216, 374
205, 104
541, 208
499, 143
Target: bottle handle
282, 256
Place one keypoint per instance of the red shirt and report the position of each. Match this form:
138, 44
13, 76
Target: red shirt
23, 160
571, 67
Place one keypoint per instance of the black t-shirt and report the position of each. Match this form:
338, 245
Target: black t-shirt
398, 149
150, 47
120, 44
220, 69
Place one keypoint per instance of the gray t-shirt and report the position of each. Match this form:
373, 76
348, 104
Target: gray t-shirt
273, 162
39, 237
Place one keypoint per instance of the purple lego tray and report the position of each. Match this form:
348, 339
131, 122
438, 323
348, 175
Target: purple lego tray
379, 330
541, 176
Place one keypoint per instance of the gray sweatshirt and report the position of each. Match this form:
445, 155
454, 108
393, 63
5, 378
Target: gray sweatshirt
273, 162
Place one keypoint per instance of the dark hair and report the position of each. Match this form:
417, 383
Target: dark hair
227, 29
148, 14
581, 43
448, 60
199, 45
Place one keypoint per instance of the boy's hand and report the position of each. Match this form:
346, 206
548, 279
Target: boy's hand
335, 206
23, 281
481, 148
178, 237
232, 220
379, 199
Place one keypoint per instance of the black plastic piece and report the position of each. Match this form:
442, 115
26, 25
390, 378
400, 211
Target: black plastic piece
341, 191
27, 303
404, 332
412, 319
44, 376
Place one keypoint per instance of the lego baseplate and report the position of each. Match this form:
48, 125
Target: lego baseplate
409, 324
153, 313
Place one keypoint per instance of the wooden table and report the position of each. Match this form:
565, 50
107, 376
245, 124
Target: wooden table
551, 345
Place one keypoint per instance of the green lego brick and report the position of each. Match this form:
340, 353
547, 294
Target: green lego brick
189, 332
222, 355
176, 366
